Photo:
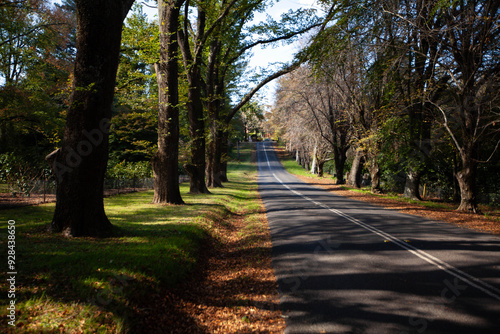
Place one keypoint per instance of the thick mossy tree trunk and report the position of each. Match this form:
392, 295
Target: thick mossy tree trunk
321, 165
80, 164
375, 176
412, 184
165, 162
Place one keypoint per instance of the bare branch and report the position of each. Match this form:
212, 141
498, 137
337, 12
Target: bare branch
270, 78
455, 141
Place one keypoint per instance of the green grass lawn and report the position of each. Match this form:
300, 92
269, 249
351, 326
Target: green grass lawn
294, 168
93, 285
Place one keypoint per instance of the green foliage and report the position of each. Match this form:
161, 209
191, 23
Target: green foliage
136, 77
130, 170
289, 23
133, 137
35, 65
20, 172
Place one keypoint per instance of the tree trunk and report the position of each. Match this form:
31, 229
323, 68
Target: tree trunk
314, 164
466, 178
80, 164
321, 164
214, 92
340, 157
165, 162
375, 176
456, 185
196, 166
225, 149
214, 166
412, 184
355, 173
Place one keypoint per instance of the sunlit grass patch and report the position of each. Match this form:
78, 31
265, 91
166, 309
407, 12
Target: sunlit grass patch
47, 315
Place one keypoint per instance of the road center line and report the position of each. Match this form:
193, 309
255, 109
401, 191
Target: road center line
448, 268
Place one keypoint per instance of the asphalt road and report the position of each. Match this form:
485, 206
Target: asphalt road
345, 266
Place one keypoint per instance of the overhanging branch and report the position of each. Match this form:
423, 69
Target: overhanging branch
270, 78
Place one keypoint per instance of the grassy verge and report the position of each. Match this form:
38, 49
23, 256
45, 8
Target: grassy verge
294, 168
89, 285
424, 203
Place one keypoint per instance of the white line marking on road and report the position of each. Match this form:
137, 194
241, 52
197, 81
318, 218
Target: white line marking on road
471, 280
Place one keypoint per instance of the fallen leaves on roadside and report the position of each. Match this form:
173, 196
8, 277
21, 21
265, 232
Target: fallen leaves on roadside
234, 291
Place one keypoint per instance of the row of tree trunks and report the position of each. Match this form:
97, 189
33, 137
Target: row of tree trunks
196, 165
